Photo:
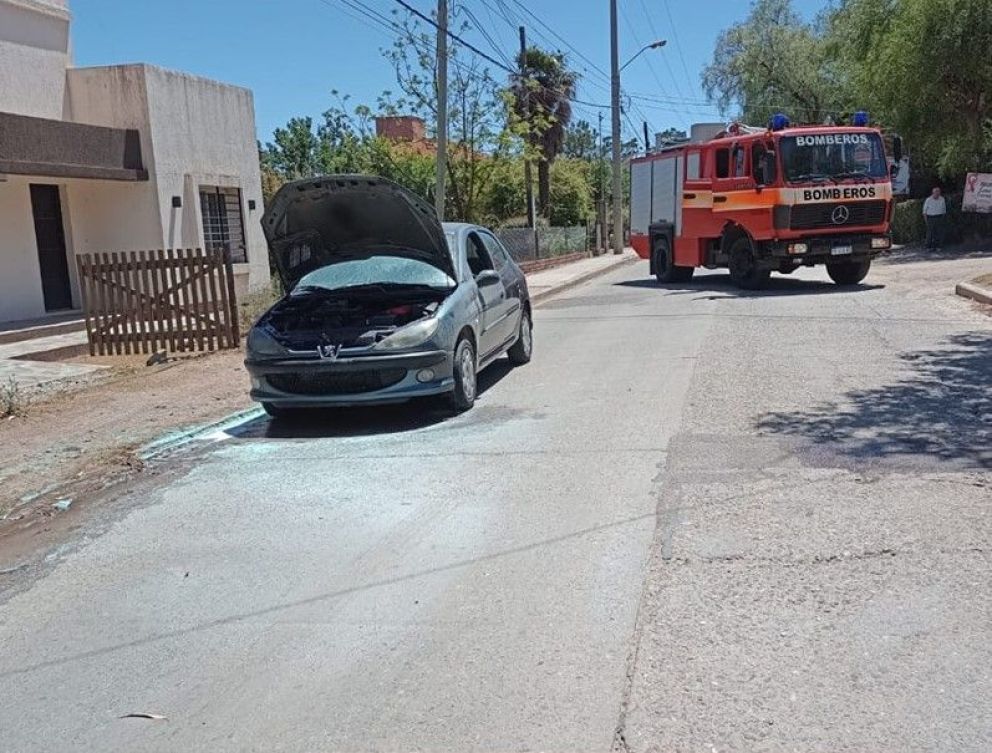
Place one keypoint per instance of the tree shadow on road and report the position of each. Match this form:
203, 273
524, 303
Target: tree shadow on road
940, 414
777, 286
370, 420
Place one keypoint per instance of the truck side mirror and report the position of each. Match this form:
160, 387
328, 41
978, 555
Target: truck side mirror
897, 149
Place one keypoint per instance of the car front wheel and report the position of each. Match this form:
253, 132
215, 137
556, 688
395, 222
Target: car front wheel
466, 378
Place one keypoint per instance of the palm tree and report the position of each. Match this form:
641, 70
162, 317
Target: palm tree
542, 96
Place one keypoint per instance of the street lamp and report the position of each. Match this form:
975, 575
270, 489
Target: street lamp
658, 44
615, 69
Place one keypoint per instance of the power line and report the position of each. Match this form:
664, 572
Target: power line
454, 36
479, 27
678, 44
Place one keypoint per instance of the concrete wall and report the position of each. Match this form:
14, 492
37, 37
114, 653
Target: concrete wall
34, 53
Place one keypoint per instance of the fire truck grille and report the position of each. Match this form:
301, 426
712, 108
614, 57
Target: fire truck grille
809, 216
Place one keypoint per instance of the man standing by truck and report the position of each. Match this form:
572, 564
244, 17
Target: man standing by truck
935, 214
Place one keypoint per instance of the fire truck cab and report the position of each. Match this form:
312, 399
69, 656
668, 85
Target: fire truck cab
758, 201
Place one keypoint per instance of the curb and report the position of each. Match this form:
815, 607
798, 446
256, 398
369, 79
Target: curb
545, 294
176, 439
974, 292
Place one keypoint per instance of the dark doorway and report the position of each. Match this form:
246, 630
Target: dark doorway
50, 235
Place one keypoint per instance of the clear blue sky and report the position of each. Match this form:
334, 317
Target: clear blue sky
292, 53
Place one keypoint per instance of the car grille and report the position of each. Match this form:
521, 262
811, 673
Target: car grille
335, 383
808, 216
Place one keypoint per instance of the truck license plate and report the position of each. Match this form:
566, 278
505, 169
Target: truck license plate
842, 250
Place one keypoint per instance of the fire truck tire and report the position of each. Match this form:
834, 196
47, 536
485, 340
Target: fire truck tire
848, 272
664, 268
744, 270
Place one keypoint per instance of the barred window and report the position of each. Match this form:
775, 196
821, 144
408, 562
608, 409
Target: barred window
222, 222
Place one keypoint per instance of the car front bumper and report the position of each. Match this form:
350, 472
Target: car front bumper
362, 380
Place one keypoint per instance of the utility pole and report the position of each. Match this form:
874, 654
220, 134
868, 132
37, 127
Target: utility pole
442, 105
528, 176
647, 138
603, 234
618, 243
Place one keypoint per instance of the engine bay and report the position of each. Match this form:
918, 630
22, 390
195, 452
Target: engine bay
348, 320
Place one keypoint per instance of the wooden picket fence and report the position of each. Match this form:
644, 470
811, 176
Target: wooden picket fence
147, 301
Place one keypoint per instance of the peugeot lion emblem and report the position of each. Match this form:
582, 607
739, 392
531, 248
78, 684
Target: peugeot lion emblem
841, 215
329, 352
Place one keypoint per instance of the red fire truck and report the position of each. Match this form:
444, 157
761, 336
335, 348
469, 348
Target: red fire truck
763, 200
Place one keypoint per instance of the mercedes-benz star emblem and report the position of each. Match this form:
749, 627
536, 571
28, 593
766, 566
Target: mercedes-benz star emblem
841, 215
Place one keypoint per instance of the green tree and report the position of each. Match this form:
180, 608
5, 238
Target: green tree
925, 66
581, 141
541, 102
571, 192
671, 136
772, 62
294, 151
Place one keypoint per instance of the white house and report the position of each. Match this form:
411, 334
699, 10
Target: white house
115, 158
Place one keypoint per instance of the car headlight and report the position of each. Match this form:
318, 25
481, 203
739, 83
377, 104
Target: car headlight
262, 343
409, 336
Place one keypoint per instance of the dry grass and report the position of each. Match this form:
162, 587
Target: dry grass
256, 303
13, 401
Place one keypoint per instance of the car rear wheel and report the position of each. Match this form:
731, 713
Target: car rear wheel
744, 269
664, 264
848, 272
466, 378
521, 351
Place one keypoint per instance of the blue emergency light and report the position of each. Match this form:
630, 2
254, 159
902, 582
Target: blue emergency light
780, 121
860, 119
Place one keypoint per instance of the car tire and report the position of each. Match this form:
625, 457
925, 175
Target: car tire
848, 272
665, 270
522, 349
744, 270
279, 412
464, 371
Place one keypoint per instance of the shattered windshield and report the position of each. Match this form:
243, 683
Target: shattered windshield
833, 157
376, 270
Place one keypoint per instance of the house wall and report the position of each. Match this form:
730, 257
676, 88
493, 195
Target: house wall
20, 277
203, 134
34, 53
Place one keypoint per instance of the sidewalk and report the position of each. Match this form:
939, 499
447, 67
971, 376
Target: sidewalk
558, 279
84, 437
29, 374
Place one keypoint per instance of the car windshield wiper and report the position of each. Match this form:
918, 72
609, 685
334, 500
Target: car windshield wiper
853, 175
809, 176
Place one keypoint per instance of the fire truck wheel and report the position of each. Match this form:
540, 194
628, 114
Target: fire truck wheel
849, 272
664, 268
744, 269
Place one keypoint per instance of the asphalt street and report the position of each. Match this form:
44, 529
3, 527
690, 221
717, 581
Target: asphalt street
699, 520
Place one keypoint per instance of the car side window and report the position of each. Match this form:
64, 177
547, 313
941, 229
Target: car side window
477, 255
496, 251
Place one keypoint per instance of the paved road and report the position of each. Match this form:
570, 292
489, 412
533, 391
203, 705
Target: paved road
698, 521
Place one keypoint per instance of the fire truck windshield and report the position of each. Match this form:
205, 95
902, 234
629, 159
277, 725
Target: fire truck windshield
833, 157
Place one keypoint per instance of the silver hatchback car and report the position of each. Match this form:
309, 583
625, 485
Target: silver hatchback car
384, 303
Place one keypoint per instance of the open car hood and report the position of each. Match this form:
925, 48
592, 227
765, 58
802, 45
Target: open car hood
315, 222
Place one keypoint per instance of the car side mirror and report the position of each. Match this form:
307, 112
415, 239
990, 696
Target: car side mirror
487, 277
